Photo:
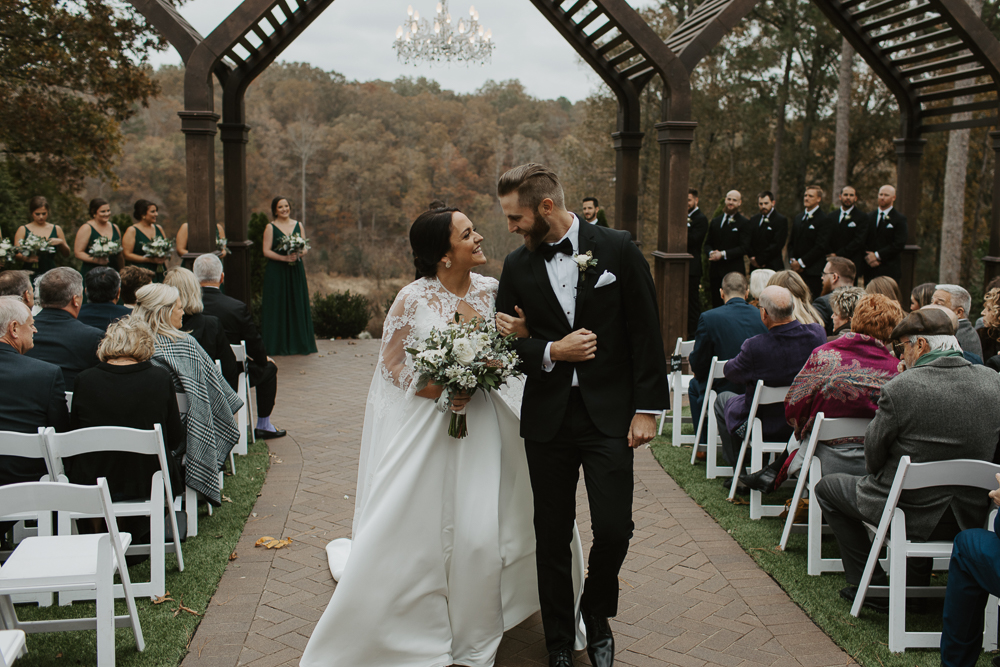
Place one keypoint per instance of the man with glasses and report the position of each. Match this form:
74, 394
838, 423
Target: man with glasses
838, 272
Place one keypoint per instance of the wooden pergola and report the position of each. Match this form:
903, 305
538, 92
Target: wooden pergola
936, 56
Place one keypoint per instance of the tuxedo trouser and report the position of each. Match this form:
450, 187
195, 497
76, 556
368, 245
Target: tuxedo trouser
973, 575
267, 390
694, 305
837, 496
554, 468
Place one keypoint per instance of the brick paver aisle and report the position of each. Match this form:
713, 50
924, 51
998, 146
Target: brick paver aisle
690, 595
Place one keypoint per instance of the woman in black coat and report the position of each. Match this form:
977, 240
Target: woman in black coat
125, 389
206, 329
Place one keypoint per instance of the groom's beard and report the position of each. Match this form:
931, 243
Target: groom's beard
539, 229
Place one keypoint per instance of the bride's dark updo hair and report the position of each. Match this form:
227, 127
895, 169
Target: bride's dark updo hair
430, 239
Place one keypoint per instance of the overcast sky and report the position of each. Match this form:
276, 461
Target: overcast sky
355, 37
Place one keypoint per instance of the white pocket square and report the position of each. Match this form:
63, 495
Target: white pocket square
851, 224
606, 279
889, 226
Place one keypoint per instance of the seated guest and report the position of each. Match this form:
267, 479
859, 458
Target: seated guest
989, 333
931, 411
211, 428
959, 301
133, 277
775, 357
922, 295
842, 303
884, 285
839, 272
206, 329
103, 289
125, 389
32, 392
721, 332
239, 326
62, 339
758, 281
973, 575
993, 284
17, 284
793, 282
844, 378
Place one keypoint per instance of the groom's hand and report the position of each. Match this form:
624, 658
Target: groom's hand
642, 430
581, 345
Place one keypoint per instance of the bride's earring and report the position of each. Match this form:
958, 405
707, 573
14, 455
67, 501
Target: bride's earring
447, 264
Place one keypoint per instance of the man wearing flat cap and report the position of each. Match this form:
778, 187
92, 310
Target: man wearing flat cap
931, 411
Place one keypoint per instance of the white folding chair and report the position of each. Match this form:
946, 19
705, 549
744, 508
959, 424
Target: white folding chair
909, 476
134, 441
754, 440
823, 429
29, 446
63, 563
243, 391
12, 646
678, 390
707, 420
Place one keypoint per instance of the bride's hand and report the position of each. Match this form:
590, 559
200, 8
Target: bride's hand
507, 325
459, 401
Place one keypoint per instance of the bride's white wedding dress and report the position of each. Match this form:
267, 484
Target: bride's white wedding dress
442, 556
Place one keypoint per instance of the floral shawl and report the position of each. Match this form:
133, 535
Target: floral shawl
842, 378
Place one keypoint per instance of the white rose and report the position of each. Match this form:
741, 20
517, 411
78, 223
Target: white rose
581, 260
464, 350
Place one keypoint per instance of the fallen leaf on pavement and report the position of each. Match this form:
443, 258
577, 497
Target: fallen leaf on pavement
271, 543
233, 556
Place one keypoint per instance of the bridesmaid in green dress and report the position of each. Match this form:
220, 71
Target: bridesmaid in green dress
143, 231
99, 225
39, 225
286, 319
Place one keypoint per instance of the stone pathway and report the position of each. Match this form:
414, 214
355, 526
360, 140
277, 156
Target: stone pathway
690, 595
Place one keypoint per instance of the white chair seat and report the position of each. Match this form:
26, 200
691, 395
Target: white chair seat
55, 562
11, 646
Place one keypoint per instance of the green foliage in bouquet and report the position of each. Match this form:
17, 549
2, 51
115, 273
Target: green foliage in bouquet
340, 314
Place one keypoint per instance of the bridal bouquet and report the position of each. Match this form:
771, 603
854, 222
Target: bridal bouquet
158, 247
104, 247
463, 358
33, 245
294, 243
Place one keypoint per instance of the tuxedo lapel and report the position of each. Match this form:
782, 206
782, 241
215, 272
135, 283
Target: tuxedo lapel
586, 242
542, 278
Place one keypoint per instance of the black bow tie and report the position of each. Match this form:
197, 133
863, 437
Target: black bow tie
549, 251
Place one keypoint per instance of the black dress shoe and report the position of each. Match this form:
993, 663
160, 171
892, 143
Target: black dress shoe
561, 658
881, 605
762, 480
268, 435
600, 641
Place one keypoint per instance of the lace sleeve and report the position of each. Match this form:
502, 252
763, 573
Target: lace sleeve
397, 335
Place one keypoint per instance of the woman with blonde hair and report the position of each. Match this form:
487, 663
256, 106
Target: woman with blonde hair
126, 389
206, 329
804, 311
211, 428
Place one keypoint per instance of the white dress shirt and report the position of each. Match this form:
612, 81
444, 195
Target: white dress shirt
882, 215
844, 212
563, 275
807, 213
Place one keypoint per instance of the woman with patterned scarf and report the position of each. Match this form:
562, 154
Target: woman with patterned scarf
211, 427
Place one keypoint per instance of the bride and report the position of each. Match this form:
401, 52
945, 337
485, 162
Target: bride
442, 556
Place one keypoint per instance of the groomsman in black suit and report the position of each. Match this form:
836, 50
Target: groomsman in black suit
768, 233
886, 238
726, 244
848, 228
807, 247
697, 229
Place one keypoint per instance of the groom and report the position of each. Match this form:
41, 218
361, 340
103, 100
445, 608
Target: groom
596, 379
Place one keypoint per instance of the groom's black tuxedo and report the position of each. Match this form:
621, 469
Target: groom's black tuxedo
566, 427
628, 372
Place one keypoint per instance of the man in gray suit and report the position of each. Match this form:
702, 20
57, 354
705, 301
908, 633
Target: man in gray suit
932, 411
959, 301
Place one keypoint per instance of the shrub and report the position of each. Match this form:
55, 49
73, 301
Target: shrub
340, 314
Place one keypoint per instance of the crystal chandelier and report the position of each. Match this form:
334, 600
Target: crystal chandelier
441, 41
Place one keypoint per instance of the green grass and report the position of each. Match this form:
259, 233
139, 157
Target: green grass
167, 636
864, 638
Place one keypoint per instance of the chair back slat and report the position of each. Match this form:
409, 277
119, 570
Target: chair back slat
240, 352
770, 395
51, 497
69, 401
182, 402
841, 427
957, 472
719, 368
685, 348
26, 445
103, 439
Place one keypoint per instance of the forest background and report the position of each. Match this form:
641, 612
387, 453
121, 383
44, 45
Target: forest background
365, 158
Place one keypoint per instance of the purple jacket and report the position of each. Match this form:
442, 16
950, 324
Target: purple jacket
775, 357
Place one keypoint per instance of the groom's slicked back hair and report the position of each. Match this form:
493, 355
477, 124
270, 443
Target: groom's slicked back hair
533, 184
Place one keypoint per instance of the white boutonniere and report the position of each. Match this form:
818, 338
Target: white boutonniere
584, 262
